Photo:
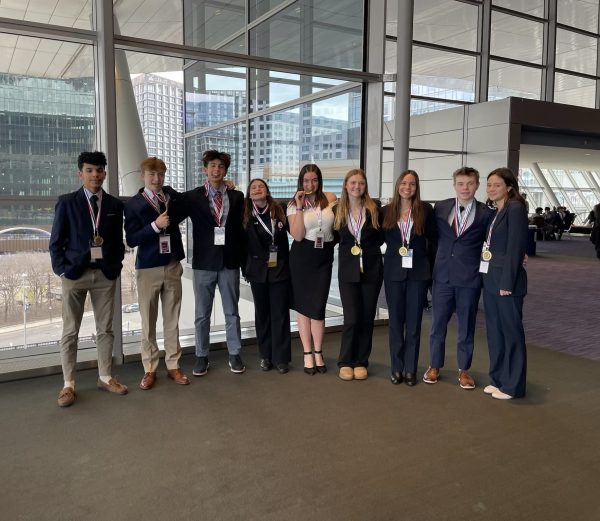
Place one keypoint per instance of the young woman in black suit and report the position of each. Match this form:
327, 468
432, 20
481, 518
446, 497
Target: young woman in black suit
410, 236
358, 229
505, 286
267, 270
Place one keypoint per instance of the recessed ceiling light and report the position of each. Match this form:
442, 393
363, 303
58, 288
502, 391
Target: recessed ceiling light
588, 154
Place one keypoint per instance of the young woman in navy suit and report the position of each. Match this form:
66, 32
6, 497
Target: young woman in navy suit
410, 236
505, 286
357, 227
267, 270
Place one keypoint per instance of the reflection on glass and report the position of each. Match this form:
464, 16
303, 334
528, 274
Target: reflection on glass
325, 132
582, 14
446, 22
157, 21
329, 32
576, 52
516, 38
441, 74
531, 7
208, 24
574, 90
213, 94
68, 14
418, 106
507, 80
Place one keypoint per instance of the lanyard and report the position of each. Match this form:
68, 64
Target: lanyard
257, 213
95, 220
460, 222
153, 203
356, 226
405, 228
489, 237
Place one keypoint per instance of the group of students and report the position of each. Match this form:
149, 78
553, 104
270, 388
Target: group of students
457, 244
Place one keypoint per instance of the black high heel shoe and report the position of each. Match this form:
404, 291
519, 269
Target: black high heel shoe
320, 368
309, 370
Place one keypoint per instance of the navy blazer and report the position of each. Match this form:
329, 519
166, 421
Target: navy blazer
258, 246
72, 232
508, 246
371, 240
457, 259
207, 256
423, 246
139, 216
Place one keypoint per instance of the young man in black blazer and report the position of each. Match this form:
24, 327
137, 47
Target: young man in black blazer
216, 214
149, 227
86, 249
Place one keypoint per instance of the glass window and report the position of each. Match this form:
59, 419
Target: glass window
441, 74
68, 14
531, 7
582, 14
574, 90
446, 22
576, 52
516, 38
213, 94
329, 32
418, 106
208, 24
507, 80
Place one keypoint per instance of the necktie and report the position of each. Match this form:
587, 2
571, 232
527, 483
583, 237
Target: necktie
161, 202
218, 202
94, 201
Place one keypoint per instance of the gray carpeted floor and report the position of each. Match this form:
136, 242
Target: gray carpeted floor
264, 446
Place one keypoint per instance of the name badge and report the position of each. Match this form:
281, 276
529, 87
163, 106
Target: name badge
272, 262
484, 267
319, 240
407, 260
219, 236
96, 252
164, 244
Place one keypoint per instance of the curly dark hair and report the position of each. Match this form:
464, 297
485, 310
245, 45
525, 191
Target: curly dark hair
91, 158
211, 155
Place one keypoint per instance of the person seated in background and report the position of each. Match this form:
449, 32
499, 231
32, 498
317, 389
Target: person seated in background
544, 230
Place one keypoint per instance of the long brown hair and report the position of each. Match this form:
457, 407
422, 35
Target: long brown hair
343, 206
320, 197
276, 211
510, 179
393, 209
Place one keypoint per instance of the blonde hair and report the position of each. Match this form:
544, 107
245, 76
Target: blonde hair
343, 205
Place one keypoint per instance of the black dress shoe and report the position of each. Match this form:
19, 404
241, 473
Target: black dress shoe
265, 364
396, 377
320, 368
410, 379
283, 368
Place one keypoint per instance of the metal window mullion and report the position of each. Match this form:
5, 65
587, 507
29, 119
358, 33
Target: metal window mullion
549, 51
592, 182
482, 71
46, 31
444, 48
544, 184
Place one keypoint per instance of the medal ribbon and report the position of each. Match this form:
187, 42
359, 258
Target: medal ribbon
311, 206
95, 218
486, 244
151, 202
460, 222
405, 228
356, 226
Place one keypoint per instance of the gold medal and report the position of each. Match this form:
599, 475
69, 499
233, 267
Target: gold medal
98, 241
486, 255
403, 251
355, 250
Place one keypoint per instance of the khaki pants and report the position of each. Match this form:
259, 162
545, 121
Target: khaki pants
163, 282
102, 295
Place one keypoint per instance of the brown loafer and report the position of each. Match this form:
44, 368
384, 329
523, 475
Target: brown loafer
178, 376
361, 373
148, 381
113, 386
465, 380
432, 375
66, 397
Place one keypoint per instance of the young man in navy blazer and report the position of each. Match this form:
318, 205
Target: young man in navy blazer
219, 250
149, 227
86, 249
461, 227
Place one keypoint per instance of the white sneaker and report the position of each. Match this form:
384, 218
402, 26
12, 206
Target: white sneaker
499, 395
490, 389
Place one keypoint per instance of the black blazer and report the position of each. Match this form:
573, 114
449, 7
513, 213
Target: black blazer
423, 246
207, 256
371, 240
508, 245
72, 232
457, 258
258, 242
139, 216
